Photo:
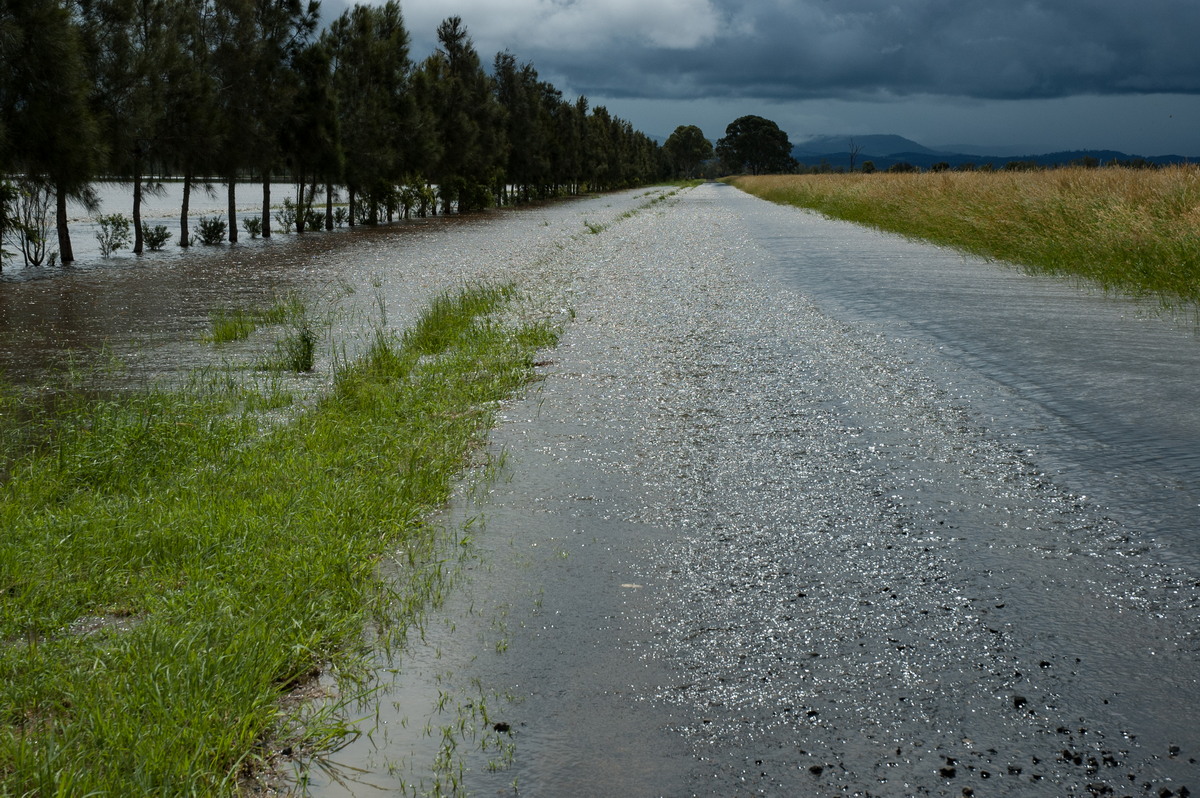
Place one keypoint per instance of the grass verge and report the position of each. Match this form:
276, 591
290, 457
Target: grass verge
1134, 231
169, 570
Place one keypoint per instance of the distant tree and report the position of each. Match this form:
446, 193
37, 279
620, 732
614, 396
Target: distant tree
281, 29
903, 167
527, 143
940, 166
129, 46
8, 221
466, 116
686, 149
311, 141
50, 130
755, 145
868, 167
191, 134
855, 149
371, 79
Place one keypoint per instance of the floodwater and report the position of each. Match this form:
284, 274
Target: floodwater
149, 313
159, 208
796, 509
803, 509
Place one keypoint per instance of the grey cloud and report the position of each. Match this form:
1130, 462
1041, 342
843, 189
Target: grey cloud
863, 48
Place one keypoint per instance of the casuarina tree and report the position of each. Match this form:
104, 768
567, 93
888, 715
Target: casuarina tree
50, 133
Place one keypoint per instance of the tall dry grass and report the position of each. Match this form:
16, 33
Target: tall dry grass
1129, 230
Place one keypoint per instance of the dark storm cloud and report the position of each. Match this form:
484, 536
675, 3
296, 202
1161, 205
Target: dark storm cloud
861, 48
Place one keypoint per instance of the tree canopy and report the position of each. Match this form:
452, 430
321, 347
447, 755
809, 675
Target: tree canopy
755, 145
686, 149
231, 90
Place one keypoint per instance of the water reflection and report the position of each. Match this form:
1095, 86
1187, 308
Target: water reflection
163, 208
150, 312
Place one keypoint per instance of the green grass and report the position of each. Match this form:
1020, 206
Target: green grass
169, 570
1134, 231
238, 323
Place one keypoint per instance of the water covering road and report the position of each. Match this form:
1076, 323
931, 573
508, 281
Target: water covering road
797, 509
805, 509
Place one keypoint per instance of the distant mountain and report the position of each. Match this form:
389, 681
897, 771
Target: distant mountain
875, 144
999, 150
886, 150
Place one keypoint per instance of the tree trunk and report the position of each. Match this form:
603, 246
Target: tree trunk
183, 213
350, 194
266, 213
328, 206
301, 206
138, 244
233, 231
65, 253
312, 199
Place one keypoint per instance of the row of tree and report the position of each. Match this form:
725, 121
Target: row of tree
751, 144
230, 90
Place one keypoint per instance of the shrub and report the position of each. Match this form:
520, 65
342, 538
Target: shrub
314, 220
340, 216
156, 237
253, 226
211, 230
113, 233
286, 216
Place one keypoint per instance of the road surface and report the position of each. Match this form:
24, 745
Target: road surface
804, 509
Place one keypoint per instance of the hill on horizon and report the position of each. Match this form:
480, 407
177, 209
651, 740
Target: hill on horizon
887, 149
875, 144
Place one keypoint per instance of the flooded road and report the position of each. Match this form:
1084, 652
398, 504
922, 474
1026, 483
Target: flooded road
797, 509
803, 509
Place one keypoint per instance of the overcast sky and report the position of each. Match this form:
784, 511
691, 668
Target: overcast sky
1038, 74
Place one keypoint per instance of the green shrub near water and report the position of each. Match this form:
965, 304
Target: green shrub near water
211, 230
112, 233
155, 237
169, 570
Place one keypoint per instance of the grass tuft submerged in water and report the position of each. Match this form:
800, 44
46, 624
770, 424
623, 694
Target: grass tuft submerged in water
169, 570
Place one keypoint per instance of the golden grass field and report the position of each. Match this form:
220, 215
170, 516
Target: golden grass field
1134, 231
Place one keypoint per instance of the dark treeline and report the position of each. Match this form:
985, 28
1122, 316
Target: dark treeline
228, 91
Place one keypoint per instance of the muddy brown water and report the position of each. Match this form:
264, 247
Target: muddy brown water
797, 509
